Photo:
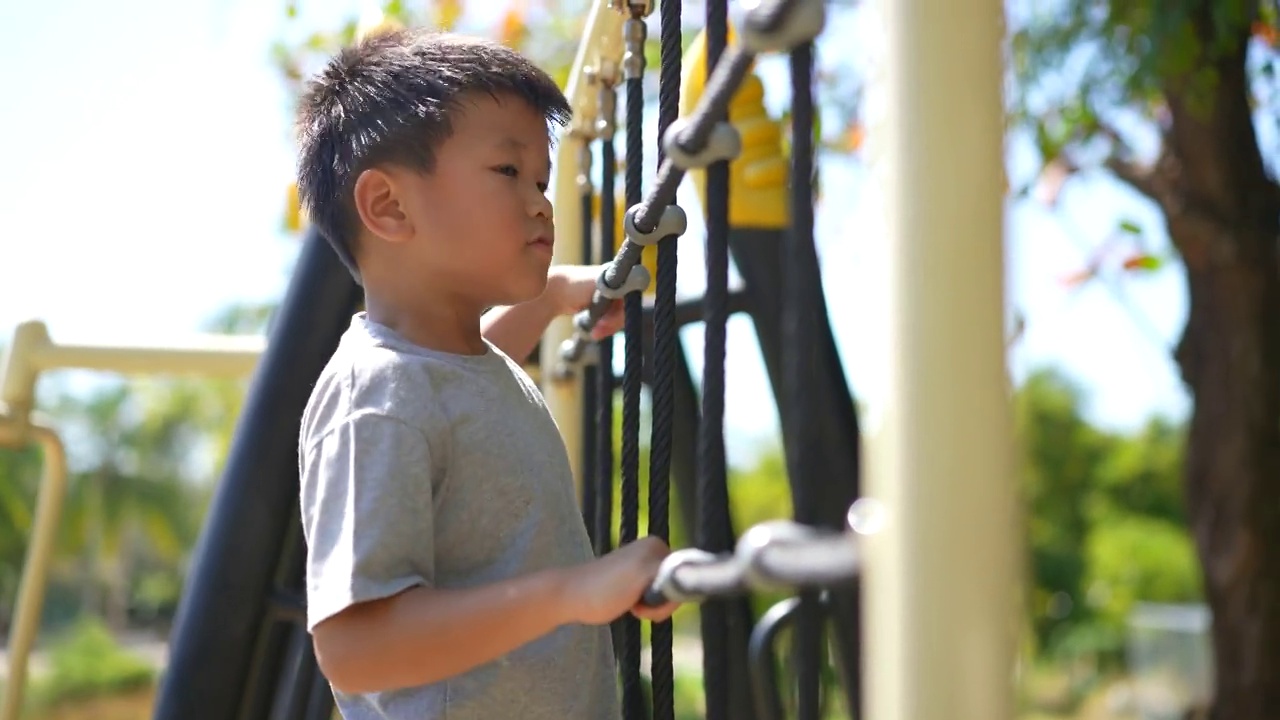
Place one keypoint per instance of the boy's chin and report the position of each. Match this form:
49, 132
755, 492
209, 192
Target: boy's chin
530, 287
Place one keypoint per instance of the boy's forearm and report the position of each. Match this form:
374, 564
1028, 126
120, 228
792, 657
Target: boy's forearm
427, 635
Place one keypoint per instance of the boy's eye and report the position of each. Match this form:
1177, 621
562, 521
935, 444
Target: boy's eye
513, 172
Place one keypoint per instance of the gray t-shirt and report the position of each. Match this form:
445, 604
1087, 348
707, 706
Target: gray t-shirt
428, 468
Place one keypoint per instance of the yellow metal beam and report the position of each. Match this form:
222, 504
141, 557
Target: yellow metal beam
32, 351
35, 570
599, 57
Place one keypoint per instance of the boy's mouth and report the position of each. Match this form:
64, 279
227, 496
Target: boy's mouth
542, 241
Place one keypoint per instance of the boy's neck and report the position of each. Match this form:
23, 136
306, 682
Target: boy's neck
432, 324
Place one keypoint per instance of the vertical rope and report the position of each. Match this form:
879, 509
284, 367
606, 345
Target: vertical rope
713, 501
591, 479
800, 331
633, 706
665, 337
605, 378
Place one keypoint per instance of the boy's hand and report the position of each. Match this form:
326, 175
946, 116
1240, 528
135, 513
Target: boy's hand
600, 591
569, 290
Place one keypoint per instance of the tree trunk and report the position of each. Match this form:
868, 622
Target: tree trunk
1224, 218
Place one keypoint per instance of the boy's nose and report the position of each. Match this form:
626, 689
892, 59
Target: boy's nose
542, 207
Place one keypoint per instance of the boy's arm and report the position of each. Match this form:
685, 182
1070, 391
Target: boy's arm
426, 635
516, 329
377, 620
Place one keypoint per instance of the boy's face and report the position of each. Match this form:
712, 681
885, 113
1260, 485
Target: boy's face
482, 222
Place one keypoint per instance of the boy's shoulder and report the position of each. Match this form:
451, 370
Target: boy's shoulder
371, 374
375, 371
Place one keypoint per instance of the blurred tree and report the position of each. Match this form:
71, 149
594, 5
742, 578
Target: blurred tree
1061, 454
1105, 521
144, 451
1191, 82
19, 475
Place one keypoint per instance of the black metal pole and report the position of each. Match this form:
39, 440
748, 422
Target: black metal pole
224, 606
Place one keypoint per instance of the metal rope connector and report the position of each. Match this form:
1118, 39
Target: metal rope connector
723, 143
780, 25
667, 587
634, 33
672, 222
637, 280
770, 556
637, 8
605, 78
782, 555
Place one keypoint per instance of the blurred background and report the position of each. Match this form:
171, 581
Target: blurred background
146, 194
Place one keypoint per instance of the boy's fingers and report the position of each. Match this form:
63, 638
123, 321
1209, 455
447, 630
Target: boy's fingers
655, 614
610, 323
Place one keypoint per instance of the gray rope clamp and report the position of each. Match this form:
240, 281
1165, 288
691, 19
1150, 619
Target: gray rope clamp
782, 25
673, 222
776, 555
637, 281
781, 555
666, 587
634, 33
723, 143
571, 350
760, 539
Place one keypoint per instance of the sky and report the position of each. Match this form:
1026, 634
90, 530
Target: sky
145, 149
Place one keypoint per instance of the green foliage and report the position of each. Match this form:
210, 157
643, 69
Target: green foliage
19, 477
143, 454
1060, 452
1106, 521
86, 661
1139, 558
1124, 52
1080, 68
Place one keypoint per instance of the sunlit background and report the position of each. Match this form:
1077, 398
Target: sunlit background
146, 157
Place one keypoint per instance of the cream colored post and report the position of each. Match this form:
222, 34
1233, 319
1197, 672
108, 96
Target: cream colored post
32, 351
599, 52
941, 578
35, 571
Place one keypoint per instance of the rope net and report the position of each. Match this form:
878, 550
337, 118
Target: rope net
798, 555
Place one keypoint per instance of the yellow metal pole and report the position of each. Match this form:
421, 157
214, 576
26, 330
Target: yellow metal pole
599, 54
941, 578
32, 351
35, 571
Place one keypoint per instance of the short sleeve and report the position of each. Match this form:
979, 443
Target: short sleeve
366, 501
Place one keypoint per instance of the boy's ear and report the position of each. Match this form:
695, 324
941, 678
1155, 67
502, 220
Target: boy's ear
377, 197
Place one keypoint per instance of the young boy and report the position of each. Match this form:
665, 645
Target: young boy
448, 573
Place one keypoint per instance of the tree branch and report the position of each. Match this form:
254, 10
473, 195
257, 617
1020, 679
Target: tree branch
1140, 177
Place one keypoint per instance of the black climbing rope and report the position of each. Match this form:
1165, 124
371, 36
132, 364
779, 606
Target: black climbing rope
633, 704
799, 331
713, 499
665, 336
604, 364
590, 388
